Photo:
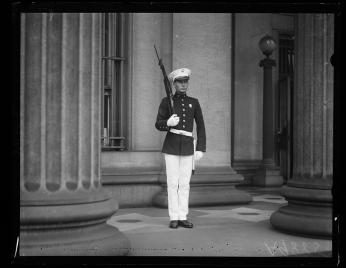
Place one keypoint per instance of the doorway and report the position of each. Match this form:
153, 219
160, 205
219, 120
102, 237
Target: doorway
285, 105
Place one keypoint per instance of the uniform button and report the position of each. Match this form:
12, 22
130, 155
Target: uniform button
184, 120
183, 110
184, 115
183, 126
183, 104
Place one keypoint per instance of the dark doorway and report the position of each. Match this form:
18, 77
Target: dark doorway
285, 105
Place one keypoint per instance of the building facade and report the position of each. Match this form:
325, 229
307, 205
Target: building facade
90, 90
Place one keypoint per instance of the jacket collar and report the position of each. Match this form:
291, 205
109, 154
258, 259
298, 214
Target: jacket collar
178, 96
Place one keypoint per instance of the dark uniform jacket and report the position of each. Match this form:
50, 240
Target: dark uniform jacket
188, 109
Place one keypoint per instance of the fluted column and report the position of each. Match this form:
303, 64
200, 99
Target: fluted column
308, 192
63, 208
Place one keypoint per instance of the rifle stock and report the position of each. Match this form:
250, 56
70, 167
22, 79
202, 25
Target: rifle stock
167, 84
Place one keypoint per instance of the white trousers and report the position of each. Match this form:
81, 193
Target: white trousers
178, 170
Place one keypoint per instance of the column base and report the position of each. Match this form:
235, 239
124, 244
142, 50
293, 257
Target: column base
268, 178
209, 187
75, 227
308, 213
99, 240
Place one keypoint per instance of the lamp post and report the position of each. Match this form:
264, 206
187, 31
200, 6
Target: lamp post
270, 175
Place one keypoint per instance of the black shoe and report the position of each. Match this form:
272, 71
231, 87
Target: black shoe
173, 224
185, 224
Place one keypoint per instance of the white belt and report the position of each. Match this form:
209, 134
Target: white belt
181, 132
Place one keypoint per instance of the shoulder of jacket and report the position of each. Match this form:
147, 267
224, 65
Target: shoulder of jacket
193, 99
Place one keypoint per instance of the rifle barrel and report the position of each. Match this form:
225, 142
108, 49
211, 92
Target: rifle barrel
157, 54
166, 83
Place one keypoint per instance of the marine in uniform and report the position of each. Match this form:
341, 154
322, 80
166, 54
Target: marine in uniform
178, 147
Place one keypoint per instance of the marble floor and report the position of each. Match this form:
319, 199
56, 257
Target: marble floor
237, 230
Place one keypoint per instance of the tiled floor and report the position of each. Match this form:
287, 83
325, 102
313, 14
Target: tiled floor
242, 230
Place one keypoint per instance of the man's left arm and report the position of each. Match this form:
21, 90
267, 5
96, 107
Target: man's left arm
201, 136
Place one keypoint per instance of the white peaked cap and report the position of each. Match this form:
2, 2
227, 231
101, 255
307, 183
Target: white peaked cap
183, 72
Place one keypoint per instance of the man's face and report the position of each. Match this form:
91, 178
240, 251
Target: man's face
181, 85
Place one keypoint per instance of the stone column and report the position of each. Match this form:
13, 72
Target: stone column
308, 192
63, 209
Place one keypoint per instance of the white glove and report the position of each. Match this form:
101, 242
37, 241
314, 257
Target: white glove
198, 155
173, 120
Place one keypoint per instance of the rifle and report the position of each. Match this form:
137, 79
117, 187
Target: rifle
167, 85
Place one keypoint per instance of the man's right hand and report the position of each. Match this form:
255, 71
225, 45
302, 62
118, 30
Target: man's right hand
173, 121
